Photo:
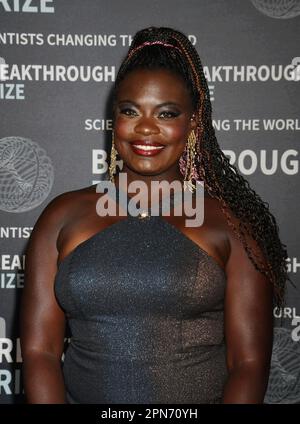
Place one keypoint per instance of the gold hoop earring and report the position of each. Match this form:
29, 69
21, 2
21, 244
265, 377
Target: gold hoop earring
113, 160
190, 162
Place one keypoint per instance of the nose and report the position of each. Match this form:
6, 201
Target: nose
146, 126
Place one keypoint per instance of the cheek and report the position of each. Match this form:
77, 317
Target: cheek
175, 133
123, 128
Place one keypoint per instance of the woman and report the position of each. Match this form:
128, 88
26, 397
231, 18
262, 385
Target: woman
159, 312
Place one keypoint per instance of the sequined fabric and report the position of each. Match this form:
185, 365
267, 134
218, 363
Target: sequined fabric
145, 308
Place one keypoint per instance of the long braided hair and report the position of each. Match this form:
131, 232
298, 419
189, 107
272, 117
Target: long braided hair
160, 47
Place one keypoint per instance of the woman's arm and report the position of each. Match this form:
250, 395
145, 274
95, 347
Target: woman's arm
248, 326
42, 321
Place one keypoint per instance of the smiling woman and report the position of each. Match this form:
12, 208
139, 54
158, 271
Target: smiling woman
159, 312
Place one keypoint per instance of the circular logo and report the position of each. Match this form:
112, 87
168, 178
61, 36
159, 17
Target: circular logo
26, 174
280, 9
284, 380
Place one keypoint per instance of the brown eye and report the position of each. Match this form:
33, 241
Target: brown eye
168, 114
128, 112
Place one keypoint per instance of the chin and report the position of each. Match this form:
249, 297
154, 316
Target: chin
147, 172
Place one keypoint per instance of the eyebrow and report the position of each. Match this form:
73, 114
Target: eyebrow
160, 105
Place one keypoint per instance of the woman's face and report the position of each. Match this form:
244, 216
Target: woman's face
152, 107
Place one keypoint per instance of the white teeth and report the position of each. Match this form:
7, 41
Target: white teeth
143, 147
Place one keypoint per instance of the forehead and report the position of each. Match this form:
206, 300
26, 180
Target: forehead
158, 83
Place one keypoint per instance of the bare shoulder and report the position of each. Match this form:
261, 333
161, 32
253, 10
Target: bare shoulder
214, 206
217, 215
65, 200
230, 224
61, 209
237, 235
242, 275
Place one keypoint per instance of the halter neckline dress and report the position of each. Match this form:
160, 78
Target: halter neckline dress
145, 306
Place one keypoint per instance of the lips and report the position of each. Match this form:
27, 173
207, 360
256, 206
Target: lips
146, 148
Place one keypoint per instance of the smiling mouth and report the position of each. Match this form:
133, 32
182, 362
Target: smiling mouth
146, 149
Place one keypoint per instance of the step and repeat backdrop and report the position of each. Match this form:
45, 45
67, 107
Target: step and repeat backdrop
58, 62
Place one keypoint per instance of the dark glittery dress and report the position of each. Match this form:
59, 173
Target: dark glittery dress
145, 306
